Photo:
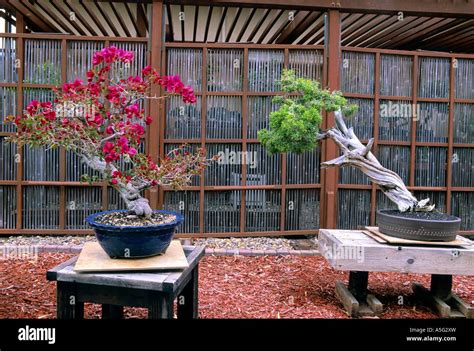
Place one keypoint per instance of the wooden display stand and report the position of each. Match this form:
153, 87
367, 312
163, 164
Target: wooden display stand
156, 291
441, 262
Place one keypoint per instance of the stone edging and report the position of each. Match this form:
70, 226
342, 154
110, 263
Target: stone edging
209, 252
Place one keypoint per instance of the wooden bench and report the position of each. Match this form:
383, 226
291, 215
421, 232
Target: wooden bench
153, 290
356, 252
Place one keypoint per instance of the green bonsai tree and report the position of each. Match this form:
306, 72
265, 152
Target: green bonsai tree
294, 127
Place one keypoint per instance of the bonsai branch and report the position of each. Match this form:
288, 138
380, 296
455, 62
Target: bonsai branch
355, 154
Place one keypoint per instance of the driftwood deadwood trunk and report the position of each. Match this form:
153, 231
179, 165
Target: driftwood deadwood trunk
355, 154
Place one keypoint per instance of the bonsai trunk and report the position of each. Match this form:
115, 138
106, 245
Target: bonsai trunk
358, 155
129, 192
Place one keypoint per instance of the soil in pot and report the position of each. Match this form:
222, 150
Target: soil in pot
124, 219
424, 226
430, 216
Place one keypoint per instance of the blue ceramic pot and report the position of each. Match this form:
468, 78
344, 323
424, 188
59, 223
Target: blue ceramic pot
134, 242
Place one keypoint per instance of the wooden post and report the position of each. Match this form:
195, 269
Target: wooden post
202, 181
160, 306
441, 285
373, 200
358, 284
188, 299
156, 52
112, 311
449, 163
333, 83
413, 120
67, 305
20, 55
62, 151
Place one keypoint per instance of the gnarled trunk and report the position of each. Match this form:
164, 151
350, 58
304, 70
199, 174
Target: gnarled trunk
129, 193
358, 155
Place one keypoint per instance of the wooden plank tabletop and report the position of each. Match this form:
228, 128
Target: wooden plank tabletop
353, 250
158, 281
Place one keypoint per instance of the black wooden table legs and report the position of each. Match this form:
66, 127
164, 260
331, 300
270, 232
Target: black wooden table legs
112, 311
188, 299
160, 304
356, 298
442, 299
68, 305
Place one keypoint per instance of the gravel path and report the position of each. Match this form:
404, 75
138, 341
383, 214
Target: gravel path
61, 240
251, 243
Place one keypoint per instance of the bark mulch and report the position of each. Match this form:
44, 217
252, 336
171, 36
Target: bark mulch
234, 287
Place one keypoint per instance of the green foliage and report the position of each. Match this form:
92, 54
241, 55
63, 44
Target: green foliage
295, 125
46, 73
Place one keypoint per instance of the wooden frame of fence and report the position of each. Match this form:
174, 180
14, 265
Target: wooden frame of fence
156, 137
413, 143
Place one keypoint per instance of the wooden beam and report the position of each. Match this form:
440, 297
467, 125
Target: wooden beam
284, 25
120, 19
221, 23
318, 24
208, 23
373, 31
170, 21
234, 23
134, 21
416, 32
183, 30
142, 22
62, 17
84, 21
31, 16
367, 27
259, 24
278, 15
402, 29
246, 24
92, 14
156, 52
297, 27
105, 16
408, 7
196, 19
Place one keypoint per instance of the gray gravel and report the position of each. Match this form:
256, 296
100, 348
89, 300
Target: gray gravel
251, 243
62, 240
258, 243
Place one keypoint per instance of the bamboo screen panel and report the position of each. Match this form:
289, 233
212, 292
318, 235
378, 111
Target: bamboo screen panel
8, 207
8, 107
420, 110
248, 191
419, 107
8, 66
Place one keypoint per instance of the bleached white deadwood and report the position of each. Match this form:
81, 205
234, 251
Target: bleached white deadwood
357, 155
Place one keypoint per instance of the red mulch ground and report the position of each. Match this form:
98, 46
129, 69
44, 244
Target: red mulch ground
233, 287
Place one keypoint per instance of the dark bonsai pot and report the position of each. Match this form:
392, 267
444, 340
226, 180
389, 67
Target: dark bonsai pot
134, 241
423, 226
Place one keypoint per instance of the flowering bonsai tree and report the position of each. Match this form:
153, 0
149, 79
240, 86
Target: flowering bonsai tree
103, 122
294, 127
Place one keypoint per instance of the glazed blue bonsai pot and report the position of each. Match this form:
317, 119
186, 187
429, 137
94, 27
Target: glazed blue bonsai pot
134, 241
